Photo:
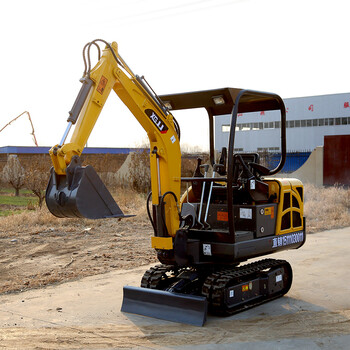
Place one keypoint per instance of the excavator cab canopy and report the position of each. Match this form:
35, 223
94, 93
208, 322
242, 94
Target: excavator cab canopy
224, 101
232, 101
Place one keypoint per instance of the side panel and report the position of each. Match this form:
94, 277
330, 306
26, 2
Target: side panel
201, 252
290, 198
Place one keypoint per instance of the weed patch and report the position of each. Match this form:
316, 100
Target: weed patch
326, 208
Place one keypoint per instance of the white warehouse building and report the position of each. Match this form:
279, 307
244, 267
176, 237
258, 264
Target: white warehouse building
309, 119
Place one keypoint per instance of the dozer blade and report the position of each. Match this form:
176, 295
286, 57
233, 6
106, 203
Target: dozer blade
182, 308
80, 193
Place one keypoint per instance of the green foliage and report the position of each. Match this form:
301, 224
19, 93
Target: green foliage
15, 201
10, 212
10, 204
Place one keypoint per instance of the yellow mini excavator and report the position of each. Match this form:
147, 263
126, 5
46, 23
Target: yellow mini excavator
233, 209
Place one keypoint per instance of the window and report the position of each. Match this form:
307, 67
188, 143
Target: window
269, 125
289, 124
225, 128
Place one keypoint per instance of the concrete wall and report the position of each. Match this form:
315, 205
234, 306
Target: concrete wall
312, 170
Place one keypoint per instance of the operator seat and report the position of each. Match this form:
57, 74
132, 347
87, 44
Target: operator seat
246, 174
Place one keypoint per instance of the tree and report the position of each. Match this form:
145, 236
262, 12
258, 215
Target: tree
13, 173
139, 171
37, 177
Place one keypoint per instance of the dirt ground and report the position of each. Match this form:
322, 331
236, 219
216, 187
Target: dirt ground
38, 256
61, 287
85, 314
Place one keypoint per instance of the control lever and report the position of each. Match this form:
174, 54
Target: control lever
216, 168
206, 168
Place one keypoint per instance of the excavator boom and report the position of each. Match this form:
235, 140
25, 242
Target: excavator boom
77, 191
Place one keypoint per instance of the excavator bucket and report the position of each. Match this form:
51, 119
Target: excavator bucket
80, 193
182, 308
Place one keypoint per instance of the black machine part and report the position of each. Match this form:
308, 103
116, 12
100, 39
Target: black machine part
182, 308
223, 290
233, 290
168, 293
80, 193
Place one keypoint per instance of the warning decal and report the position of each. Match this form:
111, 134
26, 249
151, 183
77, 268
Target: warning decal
102, 85
222, 216
270, 211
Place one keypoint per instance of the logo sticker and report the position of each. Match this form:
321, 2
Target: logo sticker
157, 121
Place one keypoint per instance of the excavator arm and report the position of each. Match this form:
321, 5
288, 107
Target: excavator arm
70, 183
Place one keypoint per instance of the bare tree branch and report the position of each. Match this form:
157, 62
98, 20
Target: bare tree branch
31, 123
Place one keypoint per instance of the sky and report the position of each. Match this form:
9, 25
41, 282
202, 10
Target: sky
290, 47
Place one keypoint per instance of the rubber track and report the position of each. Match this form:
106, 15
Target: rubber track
153, 276
215, 285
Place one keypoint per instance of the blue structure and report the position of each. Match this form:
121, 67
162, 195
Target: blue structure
45, 150
294, 160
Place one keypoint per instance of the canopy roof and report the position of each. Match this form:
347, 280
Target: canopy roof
251, 101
